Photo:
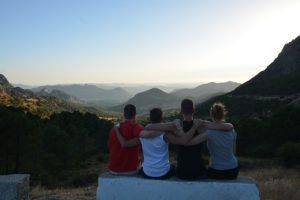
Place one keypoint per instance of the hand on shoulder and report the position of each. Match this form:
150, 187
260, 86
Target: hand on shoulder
177, 124
117, 126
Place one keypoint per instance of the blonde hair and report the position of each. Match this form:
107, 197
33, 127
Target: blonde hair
218, 111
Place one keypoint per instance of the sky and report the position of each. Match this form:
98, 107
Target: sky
142, 41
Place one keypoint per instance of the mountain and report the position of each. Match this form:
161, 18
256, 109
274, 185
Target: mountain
59, 95
149, 99
90, 93
4, 82
272, 89
206, 91
282, 76
265, 110
25, 87
43, 103
135, 88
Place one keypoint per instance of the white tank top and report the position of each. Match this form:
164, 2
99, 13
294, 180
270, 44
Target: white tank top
156, 156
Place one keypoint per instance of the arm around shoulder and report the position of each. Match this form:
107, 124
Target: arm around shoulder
218, 126
198, 139
126, 143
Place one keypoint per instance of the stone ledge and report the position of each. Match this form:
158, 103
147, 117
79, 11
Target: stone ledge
14, 187
112, 187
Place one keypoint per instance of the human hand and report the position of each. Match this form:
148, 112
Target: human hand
117, 126
198, 122
177, 124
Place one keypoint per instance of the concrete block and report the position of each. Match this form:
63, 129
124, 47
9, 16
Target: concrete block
14, 187
112, 187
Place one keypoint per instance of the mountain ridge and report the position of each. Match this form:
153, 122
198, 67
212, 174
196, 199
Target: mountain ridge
149, 99
274, 88
90, 93
281, 77
43, 104
206, 91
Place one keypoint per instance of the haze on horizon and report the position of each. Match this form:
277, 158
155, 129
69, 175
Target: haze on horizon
72, 41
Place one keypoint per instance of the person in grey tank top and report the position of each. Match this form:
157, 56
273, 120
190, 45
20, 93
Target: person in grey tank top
221, 146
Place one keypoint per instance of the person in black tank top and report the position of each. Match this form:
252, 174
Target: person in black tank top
190, 164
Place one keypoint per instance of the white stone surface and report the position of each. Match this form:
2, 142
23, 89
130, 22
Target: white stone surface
14, 187
136, 188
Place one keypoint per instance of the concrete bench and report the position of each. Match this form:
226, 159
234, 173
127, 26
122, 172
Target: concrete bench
14, 187
112, 187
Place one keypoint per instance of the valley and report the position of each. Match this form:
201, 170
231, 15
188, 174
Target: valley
45, 121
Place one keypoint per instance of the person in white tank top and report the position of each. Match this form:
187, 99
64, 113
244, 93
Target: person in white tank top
156, 163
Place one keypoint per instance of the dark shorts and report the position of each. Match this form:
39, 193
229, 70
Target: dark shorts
197, 175
223, 174
170, 173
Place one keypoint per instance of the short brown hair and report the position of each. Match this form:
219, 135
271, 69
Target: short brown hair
129, 111
218, 111
156, 115
187, 107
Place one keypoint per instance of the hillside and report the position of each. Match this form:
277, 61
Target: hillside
265, 110
60, 95
152, 98
43, 103
281, 77
90, 93
206, 91
274, 88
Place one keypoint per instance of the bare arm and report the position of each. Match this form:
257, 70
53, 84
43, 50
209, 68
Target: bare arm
218, 126
126, 143
149, 134
197, 140
170, 126
184, 139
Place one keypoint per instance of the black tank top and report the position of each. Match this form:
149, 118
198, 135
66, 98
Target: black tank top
190, 164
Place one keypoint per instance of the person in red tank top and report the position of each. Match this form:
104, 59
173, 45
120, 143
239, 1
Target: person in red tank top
124, 159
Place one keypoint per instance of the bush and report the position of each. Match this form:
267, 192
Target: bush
289, 154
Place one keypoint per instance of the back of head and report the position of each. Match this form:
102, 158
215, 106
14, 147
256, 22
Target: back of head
218, 111
187, 107
129, 111
156, 115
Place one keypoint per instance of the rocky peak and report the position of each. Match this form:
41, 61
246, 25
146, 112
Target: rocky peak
3, 80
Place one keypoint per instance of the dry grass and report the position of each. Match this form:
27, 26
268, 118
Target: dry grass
87, 193
274, 184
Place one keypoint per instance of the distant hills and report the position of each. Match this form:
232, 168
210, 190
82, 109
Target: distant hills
90, 93
206, 91
152, 98
158, 98
43, 103
274, 88
60, 95
114, 98
135, 88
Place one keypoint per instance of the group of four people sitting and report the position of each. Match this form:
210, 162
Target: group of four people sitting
188, 136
